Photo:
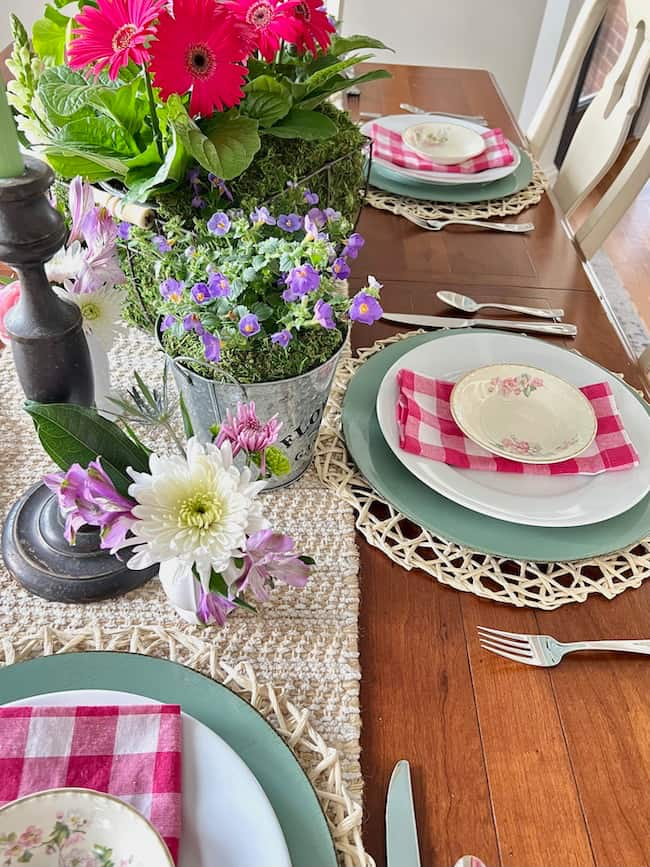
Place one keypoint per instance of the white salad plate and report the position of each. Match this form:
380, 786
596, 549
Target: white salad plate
79, 827
401, 122
546, 501
227, 819
523, 413
445, 143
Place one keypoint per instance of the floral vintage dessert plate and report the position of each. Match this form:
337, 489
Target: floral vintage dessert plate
444, 143
523, 413
78, 827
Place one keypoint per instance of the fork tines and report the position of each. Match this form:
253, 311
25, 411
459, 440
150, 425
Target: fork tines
512, 645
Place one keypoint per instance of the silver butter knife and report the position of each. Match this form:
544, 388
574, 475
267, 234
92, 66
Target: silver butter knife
560, 328
415, 109
402, 848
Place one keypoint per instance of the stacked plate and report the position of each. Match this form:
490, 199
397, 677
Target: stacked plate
445, 186
529, 517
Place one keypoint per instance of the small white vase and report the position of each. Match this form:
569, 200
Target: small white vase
101, 375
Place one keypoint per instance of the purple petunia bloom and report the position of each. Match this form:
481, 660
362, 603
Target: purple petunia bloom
340, 269
249, 325
290, 222
213, 608
365, 308
271, 556
161, 244
200, 293
262, 216
218, 285
191, 322
310, 198
301, 280
331, 215
172, 289
282, 338
211, 346
324, 315
219, 224
352, 246
123, 230
167, 322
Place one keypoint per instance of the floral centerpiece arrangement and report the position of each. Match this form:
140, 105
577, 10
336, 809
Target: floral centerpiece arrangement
139, 91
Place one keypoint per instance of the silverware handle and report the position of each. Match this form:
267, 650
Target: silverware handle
415, 109
543, 312
500, 227
563, 328
640, 646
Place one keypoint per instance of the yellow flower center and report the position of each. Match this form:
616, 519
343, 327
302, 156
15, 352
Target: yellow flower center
200, 296
200, 511
90, 311
363, 308
248, 327
122, 37
175, 296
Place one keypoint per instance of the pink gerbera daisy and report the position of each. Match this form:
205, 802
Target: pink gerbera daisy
112, 33
314, 27
200, 48
266, 22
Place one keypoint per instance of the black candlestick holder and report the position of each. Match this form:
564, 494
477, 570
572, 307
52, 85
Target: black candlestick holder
53, 364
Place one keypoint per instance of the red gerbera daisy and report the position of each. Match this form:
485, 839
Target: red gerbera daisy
315, 28
200, 48
266, 22
112, 33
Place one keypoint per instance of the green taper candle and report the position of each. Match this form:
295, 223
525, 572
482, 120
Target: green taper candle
11, 161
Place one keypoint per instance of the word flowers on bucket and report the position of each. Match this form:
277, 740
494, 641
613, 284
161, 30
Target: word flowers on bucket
195, 512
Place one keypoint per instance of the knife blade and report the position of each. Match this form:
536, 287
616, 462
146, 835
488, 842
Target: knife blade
401, 831
565, 329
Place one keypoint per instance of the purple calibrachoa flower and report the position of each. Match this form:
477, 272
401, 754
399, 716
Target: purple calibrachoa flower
340, 269
317, 216
282, 338
312, 230
172, 289
290, 222
245, 432
198, 202
324, 315
211, 347
123, 230
218, 285
352, 246
331, 215
213, 608
249, 325
271, 556
161, 244
167, 322
365, 308
301, 280
219, 224
310, 198
191, 322
201, 293
262, 216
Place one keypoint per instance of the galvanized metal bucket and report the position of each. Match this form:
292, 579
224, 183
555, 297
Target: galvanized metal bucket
299, 403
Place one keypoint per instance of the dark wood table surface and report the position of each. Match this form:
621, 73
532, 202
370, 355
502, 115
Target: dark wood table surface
519, 766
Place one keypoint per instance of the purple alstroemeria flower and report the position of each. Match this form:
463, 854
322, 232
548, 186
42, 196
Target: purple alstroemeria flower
99, 229
301, 280
191, 322
249, 325
310, 198
271, 556
290, 222
340, 269
331, 215
245, 432
352, 246
123, 230
324, 315
317, 216
213, 608
161, 244
218, 285
200, 293
168, 321
282, 338
219, 224
365, 308
211, 347
81, 201
172, 289
220, 185
100, 268
198, 202
262, 216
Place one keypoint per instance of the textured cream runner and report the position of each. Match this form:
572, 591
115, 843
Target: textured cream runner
302, 643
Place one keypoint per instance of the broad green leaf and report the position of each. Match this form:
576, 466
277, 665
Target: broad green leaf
307, 125
267, 100
342, 44
96, 135
64, 93
340, 82
48, 35
68, 165
322, 76
77, 434
121, 104
188, 428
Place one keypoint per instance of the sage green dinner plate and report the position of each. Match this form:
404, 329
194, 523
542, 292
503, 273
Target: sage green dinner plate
449, 520
392, 182
245, 730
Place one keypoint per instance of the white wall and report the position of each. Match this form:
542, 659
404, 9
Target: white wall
27, 10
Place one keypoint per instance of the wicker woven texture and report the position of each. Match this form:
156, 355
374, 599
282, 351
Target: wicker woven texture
521, 583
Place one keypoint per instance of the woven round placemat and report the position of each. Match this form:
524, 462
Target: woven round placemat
505, 207
521, 583
321, 762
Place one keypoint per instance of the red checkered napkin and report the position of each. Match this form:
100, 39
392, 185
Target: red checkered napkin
388, 145
132, 752
426, 428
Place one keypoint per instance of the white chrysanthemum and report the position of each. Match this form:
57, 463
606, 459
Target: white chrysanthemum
66, 264
193, 511
101, 312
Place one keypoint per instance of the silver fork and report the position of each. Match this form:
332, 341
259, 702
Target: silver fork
544, 650
437, 225
415, 109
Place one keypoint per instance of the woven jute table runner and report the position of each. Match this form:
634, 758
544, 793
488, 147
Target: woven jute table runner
521, 583
296, 660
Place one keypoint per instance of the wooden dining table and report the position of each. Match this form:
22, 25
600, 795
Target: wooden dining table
520, 766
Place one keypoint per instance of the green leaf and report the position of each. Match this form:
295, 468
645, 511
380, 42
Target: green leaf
64, 93
188, 428
277, 463
68, 165
121, 104
308, 561
96, 135
142, 180
77, 434
267, 100
342, 44
307, 125
48, 35
322, 76
228, 145
218, 583
340, 82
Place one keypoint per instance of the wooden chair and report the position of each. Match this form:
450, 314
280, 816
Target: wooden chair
605, 125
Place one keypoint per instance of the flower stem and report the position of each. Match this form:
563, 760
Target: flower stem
154, 116
177, 442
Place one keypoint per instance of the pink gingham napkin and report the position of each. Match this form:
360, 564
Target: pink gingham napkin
426, 428
132, 752
388, 145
